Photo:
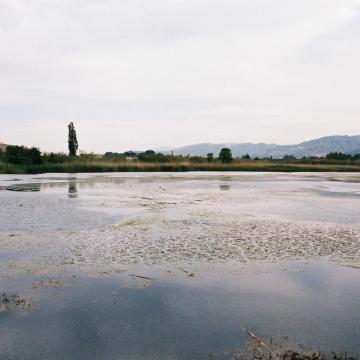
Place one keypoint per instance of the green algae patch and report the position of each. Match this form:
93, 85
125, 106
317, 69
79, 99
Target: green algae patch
139, 222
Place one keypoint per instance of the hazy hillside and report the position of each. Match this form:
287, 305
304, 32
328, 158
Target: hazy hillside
317, 147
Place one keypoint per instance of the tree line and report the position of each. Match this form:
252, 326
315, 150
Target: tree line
22, 155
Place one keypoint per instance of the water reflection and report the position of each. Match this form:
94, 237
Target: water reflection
225, 187
104, 318
72, 191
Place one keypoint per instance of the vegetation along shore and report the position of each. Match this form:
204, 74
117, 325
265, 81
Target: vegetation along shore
22, 160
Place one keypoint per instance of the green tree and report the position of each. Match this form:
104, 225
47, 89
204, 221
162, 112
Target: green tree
72, 140
338, 156
35, 156
210, 157
289, 157
225, 155
151, 155
16, 154
22, 155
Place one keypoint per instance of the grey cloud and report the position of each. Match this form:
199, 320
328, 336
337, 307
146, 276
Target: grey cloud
234, 69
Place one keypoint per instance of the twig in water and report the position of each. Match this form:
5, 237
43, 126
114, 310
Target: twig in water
256, 338
141, 277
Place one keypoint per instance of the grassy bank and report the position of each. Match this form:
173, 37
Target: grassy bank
137, 166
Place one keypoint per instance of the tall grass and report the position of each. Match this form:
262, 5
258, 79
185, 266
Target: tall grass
78, 166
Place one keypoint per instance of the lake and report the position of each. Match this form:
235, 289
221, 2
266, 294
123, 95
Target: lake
178, 265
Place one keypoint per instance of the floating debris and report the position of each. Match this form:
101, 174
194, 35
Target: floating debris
24, 188
141, 277
188, 273
14, 303
49, 283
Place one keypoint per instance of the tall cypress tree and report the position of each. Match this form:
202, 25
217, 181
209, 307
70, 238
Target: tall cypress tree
72, 140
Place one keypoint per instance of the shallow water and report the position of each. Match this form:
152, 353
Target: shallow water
277, 254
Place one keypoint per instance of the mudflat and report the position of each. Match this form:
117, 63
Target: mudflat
174, 265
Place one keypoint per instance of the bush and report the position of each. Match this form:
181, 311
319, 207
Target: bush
338, 156
210, 157
22, 155
87, 156
225, 155
35, 155
152, 156
197, 159
55, 158
113, 156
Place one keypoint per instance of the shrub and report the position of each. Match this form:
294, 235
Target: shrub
55, 158
210, 157
338, 156
22, 155
225, 155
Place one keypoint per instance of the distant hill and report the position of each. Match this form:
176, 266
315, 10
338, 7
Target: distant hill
316, 147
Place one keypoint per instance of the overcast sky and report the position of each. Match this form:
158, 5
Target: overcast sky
138, 74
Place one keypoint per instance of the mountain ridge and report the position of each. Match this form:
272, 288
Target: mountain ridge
349, 144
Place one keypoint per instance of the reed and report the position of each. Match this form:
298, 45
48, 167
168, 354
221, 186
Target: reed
78, 166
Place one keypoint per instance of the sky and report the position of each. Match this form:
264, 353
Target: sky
140, 74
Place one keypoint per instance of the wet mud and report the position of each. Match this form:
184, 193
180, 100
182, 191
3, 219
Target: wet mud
159, 258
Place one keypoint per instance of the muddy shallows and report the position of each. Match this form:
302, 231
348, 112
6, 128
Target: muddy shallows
180, 266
